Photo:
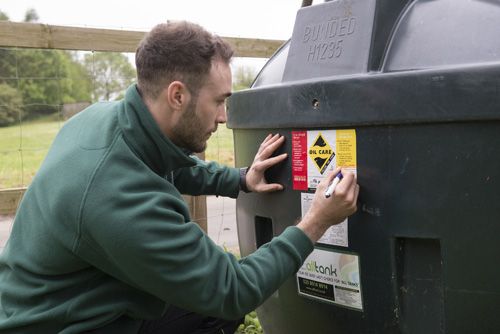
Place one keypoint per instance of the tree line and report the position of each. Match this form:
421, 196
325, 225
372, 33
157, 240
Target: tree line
37, 82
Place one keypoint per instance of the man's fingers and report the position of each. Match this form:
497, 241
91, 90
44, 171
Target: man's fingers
346, 183
268, 149
356, 193
328, 179
269, 139
352, 191
270, 187
265, 164
269, 136
274, 140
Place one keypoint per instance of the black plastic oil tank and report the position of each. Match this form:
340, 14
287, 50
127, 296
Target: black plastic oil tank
407, 95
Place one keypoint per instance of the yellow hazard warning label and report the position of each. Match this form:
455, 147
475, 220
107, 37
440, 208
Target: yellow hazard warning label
346, 148
321, 153
316, 152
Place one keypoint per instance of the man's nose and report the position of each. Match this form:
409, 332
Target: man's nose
221, 115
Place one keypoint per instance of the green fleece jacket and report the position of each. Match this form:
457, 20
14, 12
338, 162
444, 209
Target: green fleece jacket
103, 238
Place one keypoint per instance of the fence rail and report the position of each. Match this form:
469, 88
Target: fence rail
9, 200
44, 36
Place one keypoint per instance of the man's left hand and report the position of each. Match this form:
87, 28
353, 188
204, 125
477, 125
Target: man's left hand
256, 182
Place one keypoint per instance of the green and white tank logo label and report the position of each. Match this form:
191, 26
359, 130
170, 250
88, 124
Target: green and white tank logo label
331, 277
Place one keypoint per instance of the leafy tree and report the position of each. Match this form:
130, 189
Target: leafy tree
48, 79
3, 16
243, 78
79, 82
111, 73
10, 103
31, 15
45, 79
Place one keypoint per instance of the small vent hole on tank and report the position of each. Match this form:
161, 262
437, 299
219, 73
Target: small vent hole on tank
315, 103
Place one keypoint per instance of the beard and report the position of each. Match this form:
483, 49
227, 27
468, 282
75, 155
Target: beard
190, 133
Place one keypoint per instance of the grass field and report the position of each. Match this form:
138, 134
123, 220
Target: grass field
23, 148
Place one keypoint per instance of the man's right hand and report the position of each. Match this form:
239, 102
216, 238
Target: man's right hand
325, 212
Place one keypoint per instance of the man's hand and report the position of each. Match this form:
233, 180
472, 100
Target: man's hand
255, 179
325, 212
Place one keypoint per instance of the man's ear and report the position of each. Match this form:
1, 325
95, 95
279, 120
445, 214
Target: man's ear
177, 95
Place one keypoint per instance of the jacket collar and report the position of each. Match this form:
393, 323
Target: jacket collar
145, 138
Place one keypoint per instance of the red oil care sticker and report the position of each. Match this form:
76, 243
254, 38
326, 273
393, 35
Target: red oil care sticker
299, 160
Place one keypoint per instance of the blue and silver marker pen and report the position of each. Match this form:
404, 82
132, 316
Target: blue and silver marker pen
331, 188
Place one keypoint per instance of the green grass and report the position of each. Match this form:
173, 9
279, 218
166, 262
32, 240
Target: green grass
23, 148
220, 146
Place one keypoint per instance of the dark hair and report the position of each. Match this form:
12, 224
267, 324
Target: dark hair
181, 51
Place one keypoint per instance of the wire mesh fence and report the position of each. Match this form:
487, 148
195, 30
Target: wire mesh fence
40, 89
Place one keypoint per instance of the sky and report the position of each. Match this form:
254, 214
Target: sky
266, 19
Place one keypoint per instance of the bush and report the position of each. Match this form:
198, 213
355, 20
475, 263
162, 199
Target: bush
251, 325
10, 105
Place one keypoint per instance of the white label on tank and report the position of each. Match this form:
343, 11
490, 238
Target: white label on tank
331, 277
336, 235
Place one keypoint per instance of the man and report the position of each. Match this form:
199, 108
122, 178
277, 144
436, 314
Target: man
103, 242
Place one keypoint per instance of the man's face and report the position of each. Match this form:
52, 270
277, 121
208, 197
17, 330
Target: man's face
202, 115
